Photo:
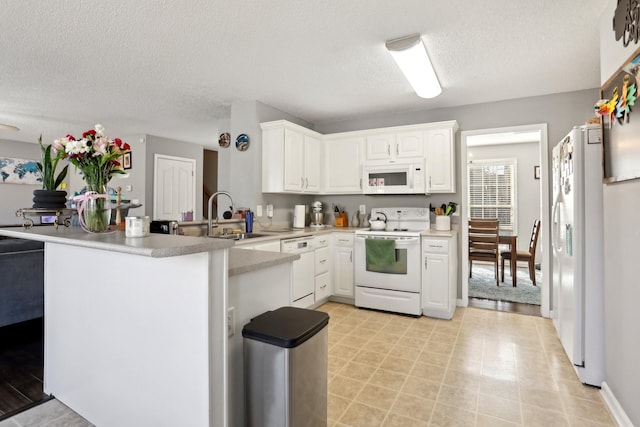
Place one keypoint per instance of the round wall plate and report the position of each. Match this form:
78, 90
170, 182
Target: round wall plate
242, 142
224, 140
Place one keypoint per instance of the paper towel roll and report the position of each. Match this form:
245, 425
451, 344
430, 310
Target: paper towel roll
299, 215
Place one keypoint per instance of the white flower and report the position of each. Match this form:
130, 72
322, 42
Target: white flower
99, 130
77, 147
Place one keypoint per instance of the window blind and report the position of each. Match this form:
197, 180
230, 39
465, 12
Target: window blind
491, 194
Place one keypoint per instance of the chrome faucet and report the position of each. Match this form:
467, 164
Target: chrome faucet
209, 208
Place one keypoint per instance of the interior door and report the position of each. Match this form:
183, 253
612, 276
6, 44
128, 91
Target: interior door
174, 187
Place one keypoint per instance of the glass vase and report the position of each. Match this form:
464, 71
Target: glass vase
97, 211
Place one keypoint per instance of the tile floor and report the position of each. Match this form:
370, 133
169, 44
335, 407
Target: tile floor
482, 368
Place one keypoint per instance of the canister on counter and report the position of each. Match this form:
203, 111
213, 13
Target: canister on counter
137, 226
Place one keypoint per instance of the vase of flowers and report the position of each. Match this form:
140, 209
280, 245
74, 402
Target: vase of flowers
50, 197
97, 158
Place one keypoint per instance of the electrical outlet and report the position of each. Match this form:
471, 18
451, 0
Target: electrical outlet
231, 322
363, 209
259, 210
269, 211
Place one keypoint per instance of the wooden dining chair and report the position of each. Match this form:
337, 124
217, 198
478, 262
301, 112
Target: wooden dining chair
528, 255
483, 242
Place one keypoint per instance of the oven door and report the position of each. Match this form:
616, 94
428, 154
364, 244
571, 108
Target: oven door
403, 275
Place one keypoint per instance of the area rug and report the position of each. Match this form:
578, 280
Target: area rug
483, 285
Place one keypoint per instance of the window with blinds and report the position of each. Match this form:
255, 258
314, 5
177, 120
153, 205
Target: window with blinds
491, 185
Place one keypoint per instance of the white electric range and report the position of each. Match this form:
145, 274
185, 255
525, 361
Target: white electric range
392, 285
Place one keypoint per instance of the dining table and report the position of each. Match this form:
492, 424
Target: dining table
510, 237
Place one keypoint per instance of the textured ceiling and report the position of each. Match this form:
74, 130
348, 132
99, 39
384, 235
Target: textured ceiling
173, 68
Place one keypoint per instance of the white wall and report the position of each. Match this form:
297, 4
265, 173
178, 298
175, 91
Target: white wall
621, 237
16, 196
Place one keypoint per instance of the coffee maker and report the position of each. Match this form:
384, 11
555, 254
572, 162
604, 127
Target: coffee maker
317, 216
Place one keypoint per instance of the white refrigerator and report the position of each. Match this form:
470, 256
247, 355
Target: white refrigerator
577, 242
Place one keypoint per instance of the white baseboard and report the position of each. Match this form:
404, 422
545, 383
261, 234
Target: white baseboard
460, 303
618, 413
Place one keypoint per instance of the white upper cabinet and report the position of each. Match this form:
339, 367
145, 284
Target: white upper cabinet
312, 164
396, 145
440, 154
379, 146
291, 158
342, 165
409, 144
299, 160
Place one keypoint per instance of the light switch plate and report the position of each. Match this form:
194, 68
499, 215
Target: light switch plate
363, 209
258, 210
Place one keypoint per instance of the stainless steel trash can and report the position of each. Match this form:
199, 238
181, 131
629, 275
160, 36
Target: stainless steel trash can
285, 363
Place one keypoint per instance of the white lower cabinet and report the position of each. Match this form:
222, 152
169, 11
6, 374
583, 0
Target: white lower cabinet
322, 269
343, 264
439, 277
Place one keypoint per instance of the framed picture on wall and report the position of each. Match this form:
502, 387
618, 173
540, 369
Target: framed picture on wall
126, 161
621, 131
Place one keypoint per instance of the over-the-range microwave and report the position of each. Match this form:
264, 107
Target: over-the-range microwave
404, 176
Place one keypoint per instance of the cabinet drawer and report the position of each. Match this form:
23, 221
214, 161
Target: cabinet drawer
323, 288
435, 246
322, 260
322, 241
343, 239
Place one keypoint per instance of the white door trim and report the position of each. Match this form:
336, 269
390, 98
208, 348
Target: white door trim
545, 215
157, 157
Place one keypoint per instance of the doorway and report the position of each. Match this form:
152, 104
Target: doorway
175, 186
209, 179
505, 136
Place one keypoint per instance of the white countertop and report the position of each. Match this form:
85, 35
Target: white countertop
154, 245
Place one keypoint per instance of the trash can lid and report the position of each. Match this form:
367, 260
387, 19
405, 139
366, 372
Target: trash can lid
285, 327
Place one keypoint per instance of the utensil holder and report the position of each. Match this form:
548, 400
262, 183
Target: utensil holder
443, 223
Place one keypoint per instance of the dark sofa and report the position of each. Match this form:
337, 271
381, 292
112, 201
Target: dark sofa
21, 280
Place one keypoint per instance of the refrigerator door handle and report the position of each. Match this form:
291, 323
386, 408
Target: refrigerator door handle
555, 230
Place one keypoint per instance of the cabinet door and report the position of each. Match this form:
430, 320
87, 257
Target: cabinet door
379, 147
322, 260
410, 144
323, 286
343, 271
435, 282
342, 166
312, 161
440, 158
293, 160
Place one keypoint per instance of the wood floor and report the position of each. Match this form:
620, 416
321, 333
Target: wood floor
21, 367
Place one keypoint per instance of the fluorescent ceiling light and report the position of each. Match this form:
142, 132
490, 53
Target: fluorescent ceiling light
9, 127
411, 55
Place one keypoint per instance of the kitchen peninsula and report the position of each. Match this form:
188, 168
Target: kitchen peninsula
136, 328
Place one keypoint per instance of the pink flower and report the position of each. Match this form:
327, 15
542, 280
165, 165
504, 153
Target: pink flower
100, 146
57, 146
